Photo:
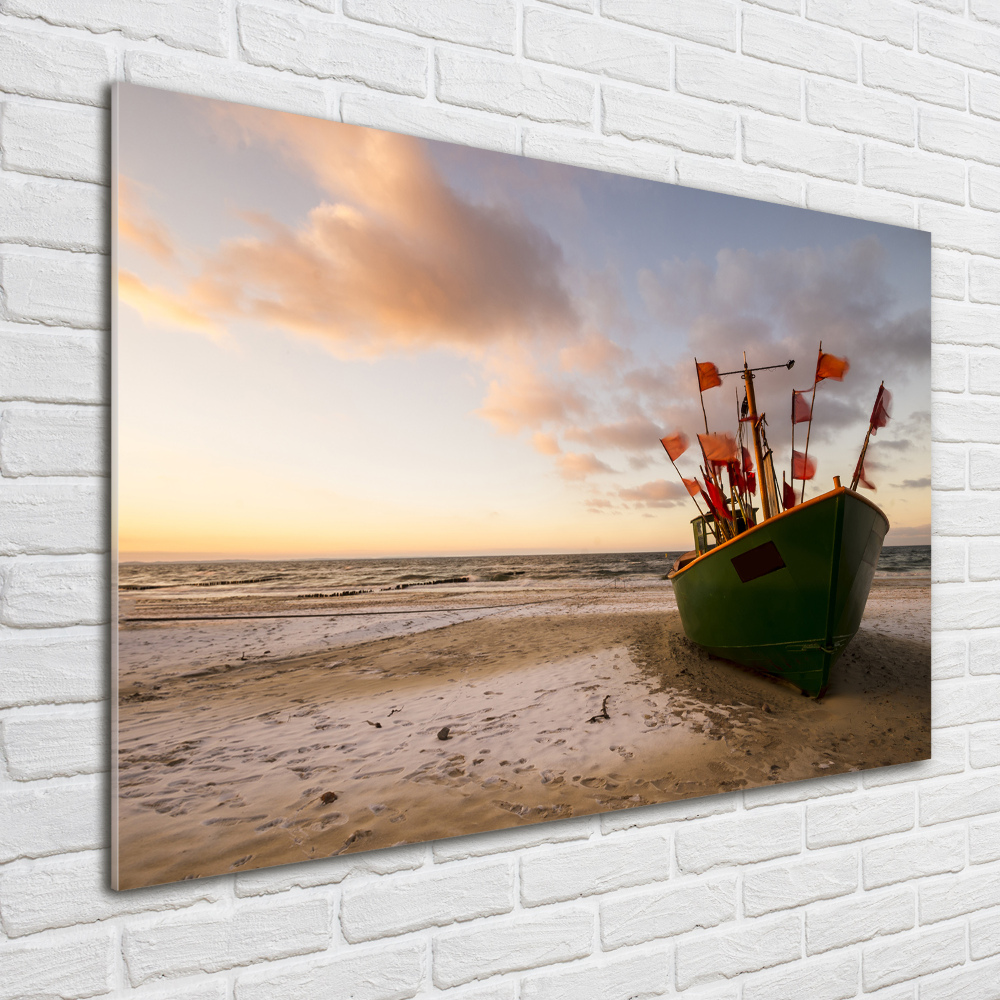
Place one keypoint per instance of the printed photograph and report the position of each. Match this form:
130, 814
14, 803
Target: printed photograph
457, 491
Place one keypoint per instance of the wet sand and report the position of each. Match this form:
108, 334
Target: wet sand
265, 741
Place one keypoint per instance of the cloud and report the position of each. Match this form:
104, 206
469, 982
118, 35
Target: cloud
545, 444
638, 433
573, 465
160, 305
136, 225
914, 484
658, 493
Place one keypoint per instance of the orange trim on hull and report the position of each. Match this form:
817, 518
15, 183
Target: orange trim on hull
785, 513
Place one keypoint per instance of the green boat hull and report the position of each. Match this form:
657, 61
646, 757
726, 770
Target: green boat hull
787, 596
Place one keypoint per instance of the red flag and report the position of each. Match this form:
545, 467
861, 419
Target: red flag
830, 366
747, 459
802, 467
787, 493
718, 448
882, 410
801, 408
692, 486
717, 501
675, 445
736, 478
864, 481
708, 375
751, 483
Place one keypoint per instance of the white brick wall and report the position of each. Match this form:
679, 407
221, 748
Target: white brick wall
884, 884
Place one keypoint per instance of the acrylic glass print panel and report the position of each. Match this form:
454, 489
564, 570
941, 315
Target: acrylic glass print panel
442, 505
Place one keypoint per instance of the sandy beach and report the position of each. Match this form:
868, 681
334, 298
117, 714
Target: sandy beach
256, 733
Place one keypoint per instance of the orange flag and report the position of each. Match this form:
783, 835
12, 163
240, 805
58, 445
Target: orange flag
830, 366
802, 467
692, 486
801, 409
717, 501
675, 445
719, 448
708, 375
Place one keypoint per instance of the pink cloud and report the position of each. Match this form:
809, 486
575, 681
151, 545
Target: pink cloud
573, 465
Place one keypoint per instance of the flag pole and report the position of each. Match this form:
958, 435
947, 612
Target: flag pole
678, 471
701, 393
864, 447
812, 410
792, 457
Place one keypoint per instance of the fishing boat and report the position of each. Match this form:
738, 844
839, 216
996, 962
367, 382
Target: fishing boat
783, 592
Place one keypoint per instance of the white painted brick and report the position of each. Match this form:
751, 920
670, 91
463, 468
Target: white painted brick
952, 6
984, 653
205, 76
63, 215
975, 982
50, 366
959, 135
512, 88
984, 934
966, 702
69, 964
984, 369
960, 42
948, 749
985, 10
642, 975
984, 748
821, 979
912, 955
54, 140
959, 798
499, 841
859, 918
915, 174
53, 667
669, 812
592, 45
669, 910
429, 899
788, 6
585, 5
901, 859
984, 280
61, 892
799, 44
679, 122
756, 945
510, 945
487, 24
383, 973
57, 289
328, 871
583, 149
984, 95
979, 612
948, 369
709, 174
430, 121
961, 229
784, 886
947, 280
947, 414
856, 109
552, 874
712, 22
913, 76
732, 80
41, 593
984, 842
209, 942
52, 518
799, 148
322, 47
55, 744
740, 839
194, 24
58, 67
984, 561
883, 21
984, 187
859, 203
957, 323
54, 441
950, 896
800, 791
859, 817
60, 816
984, 468
948, 467
948, 557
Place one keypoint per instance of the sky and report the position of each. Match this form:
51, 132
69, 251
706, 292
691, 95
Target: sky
334, 341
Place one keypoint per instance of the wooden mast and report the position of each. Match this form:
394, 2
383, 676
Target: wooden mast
765, 501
